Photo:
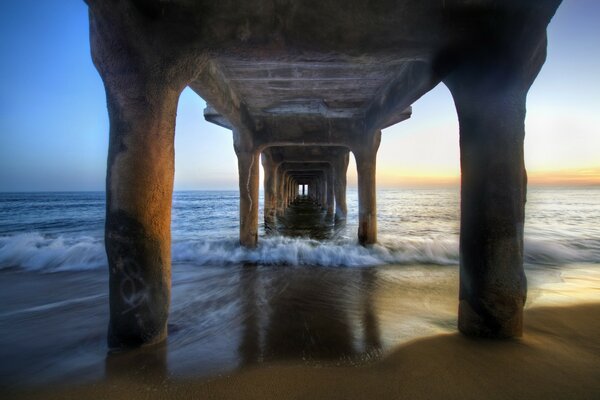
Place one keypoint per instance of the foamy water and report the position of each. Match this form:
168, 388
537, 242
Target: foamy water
50, 232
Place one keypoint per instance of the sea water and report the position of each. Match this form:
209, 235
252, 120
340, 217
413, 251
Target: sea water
294, 297
49, 232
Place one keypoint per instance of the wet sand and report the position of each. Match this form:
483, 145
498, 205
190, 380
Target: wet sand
558, 358
336, 333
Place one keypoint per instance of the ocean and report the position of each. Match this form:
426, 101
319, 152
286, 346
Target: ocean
312, 296
51, 232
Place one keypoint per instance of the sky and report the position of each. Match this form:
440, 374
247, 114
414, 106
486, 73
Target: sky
54, 123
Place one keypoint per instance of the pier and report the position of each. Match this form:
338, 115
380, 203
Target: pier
302, 85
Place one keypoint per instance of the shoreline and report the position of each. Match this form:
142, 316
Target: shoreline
558, 357
394, 323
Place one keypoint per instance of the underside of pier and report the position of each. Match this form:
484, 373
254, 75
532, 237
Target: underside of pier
301, 84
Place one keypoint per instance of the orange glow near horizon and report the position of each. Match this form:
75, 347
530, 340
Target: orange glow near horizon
567, 177
570, 177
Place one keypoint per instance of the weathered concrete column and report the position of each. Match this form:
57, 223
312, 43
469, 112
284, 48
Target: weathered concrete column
318, 191
294, 189
286, 193
330, 192
248, 169
366, 160
142, 98
280, 191
289, 190
270, 189
323, 190
490, 96
340, 169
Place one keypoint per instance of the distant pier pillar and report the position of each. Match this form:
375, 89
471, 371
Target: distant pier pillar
270, 188
340, 169
295, 189
248, 170
330, 192
280, 191
323, 182
319, 190
278, 180
490, 95
366, 160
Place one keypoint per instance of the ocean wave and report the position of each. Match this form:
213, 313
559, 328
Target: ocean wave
301, 251
37, 252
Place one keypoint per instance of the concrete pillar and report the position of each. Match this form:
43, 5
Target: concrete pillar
286, 194
490, 97
330, 192
283, 192
142, 105
366, 158
248, 169
270, 189
340, 169
292, 185
323, 180
321, 192
280, 187
294, 189
287, 191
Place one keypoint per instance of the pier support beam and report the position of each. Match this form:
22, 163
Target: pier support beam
340, 170
280, 191
248, 169
366, 160
330, 192
490, 95
270, 189
142, 98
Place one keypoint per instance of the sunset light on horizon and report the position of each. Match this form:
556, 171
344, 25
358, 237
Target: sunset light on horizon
54, 126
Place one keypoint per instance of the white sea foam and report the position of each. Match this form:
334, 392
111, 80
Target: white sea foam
36, 252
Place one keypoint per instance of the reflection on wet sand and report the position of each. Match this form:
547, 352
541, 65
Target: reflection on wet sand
227, 318
289, 314
309, 314
146, 364
249, 347
308, 320
371, 326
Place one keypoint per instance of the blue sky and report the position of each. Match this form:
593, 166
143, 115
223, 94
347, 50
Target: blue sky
54, 124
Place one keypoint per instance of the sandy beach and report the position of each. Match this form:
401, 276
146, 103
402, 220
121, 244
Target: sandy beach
557, 358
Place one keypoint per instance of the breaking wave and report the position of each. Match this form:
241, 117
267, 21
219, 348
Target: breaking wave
37, 252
